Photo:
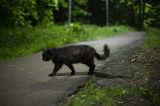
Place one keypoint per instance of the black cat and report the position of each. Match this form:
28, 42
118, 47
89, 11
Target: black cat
74, 54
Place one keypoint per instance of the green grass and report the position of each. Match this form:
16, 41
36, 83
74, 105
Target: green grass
91, 95
16, 42
153, 37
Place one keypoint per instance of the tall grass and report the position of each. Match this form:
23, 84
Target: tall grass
153, 37
16, 42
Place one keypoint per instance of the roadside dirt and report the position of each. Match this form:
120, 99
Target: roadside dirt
142, 67
150, 59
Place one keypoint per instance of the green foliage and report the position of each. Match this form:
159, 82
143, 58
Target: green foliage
35, 12
26, 12
123, 10
79, 10
136, 12
149, 11
17, 42
145, 91
153, 37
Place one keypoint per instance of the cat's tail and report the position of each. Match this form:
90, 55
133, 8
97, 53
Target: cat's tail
105, 55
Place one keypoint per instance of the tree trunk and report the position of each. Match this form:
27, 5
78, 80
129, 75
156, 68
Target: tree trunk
134, 21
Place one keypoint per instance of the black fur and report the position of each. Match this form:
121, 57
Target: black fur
74, 54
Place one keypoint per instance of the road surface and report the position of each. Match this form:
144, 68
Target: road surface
25, 81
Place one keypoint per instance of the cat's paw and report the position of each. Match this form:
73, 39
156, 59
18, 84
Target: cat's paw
72, 73
51, 75
90, 73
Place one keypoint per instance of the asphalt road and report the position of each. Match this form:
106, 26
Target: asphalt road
25, 81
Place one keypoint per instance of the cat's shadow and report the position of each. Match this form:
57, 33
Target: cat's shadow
60, 82
64, 81
97, 74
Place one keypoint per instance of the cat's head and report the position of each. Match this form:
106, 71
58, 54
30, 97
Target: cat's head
46, 55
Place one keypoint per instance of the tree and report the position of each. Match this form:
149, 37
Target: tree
26, 12
79, 11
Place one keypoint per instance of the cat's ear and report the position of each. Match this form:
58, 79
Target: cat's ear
44, 50
49, 51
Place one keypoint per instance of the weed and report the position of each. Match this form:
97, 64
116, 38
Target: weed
91, 95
